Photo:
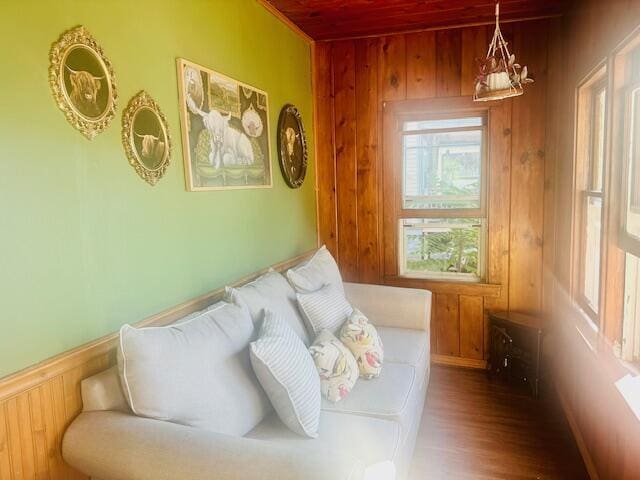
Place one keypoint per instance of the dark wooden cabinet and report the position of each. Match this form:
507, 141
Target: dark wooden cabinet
515, 351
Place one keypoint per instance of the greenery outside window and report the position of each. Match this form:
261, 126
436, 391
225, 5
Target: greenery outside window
442, 218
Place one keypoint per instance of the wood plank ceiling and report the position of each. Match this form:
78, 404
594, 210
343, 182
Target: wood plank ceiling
334, 19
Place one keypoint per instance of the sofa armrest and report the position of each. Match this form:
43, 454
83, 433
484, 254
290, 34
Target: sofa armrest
116, 446
391, 306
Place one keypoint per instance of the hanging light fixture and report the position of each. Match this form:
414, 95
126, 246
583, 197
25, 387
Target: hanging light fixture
499, 76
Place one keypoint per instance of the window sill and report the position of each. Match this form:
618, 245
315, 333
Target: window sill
446, 286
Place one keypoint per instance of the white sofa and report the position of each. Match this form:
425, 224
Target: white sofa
369, 434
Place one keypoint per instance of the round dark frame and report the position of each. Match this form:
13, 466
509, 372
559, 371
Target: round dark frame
289, 109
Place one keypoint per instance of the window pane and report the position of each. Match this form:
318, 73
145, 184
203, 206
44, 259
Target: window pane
442, 247
633, 200
441, 123
442, 170
597, 152
592, 251
631, 325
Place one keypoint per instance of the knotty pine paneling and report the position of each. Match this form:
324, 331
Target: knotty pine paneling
471, 326
447, 324
527, 173
367, 171
449, 63
324, 145
392, 67
415, 66
344, 84
421, 65
338, 19
33, 422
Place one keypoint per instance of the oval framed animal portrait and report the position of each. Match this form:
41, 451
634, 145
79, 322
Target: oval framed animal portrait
82, 82
292, 146
146, 138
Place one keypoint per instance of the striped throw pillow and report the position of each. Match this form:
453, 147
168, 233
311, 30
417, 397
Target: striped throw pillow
325, 309
288, 374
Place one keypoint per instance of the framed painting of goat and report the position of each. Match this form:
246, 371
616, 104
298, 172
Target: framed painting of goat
225, 131
82, 82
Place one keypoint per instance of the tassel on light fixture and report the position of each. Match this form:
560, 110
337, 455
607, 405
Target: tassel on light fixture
499, 76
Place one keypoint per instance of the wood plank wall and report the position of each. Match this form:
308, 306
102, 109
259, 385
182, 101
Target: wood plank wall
353, 79
38, 404
607, 431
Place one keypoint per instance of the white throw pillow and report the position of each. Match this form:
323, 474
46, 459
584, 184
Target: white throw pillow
336, 366
325, 309
317, 272
272, 292
195, 373
363, 341
287, 373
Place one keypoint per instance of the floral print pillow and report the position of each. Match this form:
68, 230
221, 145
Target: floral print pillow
362, 339
337, 368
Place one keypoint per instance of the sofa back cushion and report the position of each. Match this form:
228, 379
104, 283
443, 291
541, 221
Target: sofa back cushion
325, 309
195, 373
317, 272
271, 292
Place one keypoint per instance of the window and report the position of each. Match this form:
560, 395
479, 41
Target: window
631, 324
442, 214
630, 207
631, 204
590, 167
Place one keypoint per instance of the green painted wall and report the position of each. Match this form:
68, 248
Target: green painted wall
85, 244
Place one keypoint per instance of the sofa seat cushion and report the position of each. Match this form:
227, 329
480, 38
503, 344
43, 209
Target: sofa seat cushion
407, 346
403, 345
391, 396
369, 440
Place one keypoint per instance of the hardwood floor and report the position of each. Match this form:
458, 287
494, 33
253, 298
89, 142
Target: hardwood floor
474, 428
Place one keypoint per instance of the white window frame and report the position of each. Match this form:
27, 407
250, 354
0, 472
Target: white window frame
441, 213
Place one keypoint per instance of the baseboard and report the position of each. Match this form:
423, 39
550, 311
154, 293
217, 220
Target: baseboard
577, 435
458, 361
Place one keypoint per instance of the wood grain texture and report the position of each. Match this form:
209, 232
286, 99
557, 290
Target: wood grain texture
344, 81
473, 428
499, 208
448, 63
471, 327
367, 165
555, 76
392, 66
527, 174
474, 47
421, 65
38, 404
325, 147
429, 67
337, 19
447, 323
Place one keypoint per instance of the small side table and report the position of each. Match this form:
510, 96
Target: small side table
516, 347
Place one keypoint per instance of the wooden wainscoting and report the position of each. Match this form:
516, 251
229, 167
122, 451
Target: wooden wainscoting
37, 404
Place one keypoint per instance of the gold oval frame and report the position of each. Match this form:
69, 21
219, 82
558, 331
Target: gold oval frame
139, 102
79, 37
